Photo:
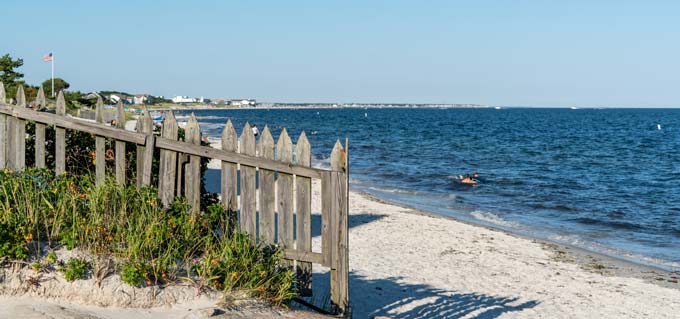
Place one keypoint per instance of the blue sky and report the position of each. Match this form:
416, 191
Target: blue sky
531, 53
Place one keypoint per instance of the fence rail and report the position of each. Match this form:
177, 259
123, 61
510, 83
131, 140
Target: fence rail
269, 184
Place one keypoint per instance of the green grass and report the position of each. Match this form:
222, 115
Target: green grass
151, 245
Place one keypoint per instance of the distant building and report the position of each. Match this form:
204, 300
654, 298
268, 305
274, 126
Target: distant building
219, 102
142, 99
93, 96
243, 103
115, 98
183, 99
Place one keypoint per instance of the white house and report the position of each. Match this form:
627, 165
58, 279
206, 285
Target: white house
242, 103
183, 99
142, 99
115, 98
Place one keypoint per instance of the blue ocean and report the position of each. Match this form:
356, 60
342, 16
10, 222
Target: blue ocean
606, 180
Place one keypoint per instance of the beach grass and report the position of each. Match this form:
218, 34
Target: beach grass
150, 245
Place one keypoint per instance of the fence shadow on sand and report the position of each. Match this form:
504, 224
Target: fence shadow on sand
383, 297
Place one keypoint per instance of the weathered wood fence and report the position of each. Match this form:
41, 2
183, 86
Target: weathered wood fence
269, 184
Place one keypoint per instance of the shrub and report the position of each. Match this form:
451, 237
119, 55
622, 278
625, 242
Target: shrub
12, 244
51, 257
134, 273
75, 269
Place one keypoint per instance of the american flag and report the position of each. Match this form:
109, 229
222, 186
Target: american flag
47, 57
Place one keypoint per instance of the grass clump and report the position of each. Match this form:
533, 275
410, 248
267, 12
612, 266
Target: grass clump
151, 245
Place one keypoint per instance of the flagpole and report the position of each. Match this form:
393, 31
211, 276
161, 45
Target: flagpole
52, 75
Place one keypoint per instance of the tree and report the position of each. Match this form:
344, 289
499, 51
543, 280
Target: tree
59, 84
7, 74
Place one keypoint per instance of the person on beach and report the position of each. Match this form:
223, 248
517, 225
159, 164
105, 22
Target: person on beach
256, 131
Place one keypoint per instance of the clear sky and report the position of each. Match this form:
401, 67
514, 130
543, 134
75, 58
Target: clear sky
531, 53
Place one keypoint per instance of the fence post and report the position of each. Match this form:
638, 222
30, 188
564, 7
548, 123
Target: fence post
303, 213
248, 191
19, 135
340, 227
228, 172
284, 191
100, 144
3, 129
168, 165
267, 189
192, 179
120, 145
144, 125
40, 132
60, 138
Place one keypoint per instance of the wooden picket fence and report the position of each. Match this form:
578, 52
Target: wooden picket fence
269, 184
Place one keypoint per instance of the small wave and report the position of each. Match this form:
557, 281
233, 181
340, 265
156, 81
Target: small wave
199, 118
493, 219
393, 191
577, 241
612, 224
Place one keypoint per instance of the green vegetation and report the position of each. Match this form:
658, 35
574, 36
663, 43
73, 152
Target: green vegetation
75, 268
135, 273
59, 84
151, 245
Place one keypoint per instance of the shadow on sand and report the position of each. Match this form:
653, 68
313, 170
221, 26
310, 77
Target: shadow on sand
384, 297
354, 221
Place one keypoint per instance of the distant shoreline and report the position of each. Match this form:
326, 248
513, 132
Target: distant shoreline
321, 106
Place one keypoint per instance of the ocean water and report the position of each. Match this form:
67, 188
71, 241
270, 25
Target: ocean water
606, 180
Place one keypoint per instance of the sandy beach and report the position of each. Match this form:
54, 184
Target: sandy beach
407, 264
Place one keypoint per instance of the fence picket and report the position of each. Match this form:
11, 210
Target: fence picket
229, 174
19, 136
168, 163
248, 191
284, 191
100, 144
40, 132
3, 129
303, 213
339, 247
40, 100
60, 138
267, 189
145, 126
120, 145
21, 97
192, 179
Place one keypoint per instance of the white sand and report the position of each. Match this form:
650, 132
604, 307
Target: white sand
405, 264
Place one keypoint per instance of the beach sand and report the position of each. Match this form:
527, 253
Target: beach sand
408, 264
